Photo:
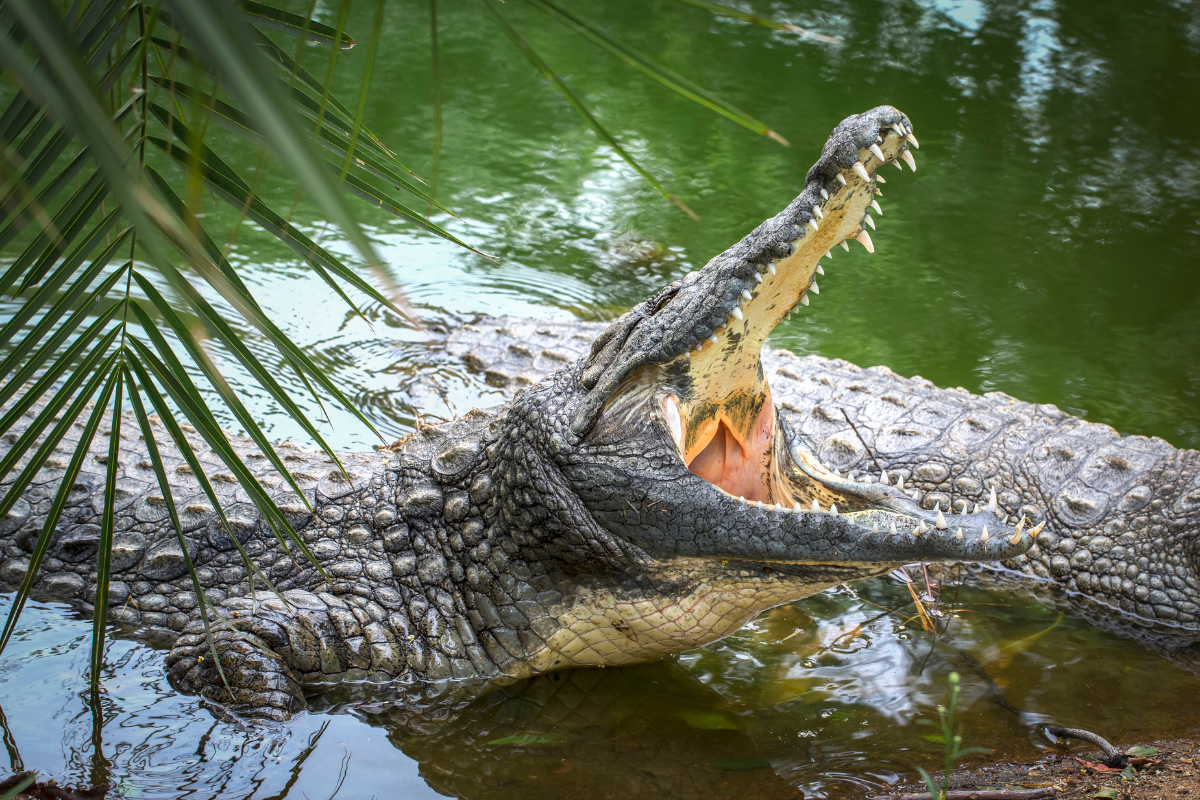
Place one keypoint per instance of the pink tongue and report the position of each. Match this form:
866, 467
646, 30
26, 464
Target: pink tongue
723, 463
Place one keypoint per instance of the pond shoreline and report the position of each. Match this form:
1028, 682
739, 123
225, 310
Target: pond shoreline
1072, 773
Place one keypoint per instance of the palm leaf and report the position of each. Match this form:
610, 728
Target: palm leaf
164, 486
578, 105
667, 77
754, 19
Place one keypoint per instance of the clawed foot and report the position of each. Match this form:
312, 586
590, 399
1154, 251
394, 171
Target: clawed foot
260, 685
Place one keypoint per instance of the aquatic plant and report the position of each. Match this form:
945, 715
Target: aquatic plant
951, 741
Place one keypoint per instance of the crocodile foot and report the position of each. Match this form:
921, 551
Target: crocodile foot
257, 683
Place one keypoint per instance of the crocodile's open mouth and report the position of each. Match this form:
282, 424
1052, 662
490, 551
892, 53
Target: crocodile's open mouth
711, 399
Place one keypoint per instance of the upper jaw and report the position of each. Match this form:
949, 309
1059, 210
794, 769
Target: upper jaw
720, 316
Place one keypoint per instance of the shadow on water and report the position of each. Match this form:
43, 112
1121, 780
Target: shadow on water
818, 699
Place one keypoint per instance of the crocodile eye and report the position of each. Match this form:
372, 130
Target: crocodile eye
674, 420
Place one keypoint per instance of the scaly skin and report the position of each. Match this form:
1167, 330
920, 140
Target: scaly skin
1122, 538
642, 500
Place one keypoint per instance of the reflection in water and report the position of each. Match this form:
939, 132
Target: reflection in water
817, 699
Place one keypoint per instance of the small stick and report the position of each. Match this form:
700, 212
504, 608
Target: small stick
986, 794
1112, 756
859, 435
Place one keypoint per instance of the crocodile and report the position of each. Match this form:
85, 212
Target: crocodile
1120, 548
644, 499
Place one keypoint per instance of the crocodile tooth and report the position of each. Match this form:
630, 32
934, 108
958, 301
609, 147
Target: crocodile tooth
912, 140
1020, 525
713, 338
983, 537
893, 530
878, 139
874, 148
829, 254
824, 195
1016, 538
1005, 520
875, 205
820, 270
879, 179
941, 521
899, 126
804, 299
861, 171
746, 294
814, 288
865, 239
959, 535
771, 267
737, 312
813, 223
870, 221
845, 245
1038, 529
778, 507
815, 505
897, 165
883, 478
841, 180
874, 527
900, 482
758, 277
991, 506
850, 476
833, 510
908, 159
921, 528
797, 507
818, 212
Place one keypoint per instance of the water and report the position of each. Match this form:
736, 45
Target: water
1045, 248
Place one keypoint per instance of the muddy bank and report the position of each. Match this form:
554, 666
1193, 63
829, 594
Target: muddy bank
1169, 769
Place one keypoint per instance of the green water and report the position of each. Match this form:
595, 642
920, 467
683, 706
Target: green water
1044, 249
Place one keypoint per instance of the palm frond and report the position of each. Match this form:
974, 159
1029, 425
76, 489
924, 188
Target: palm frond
88, 340
539, 63
766, 22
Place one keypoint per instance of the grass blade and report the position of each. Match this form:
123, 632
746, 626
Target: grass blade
60, 497
733, 13
276, 19
579, 107
667, 77
107, 522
